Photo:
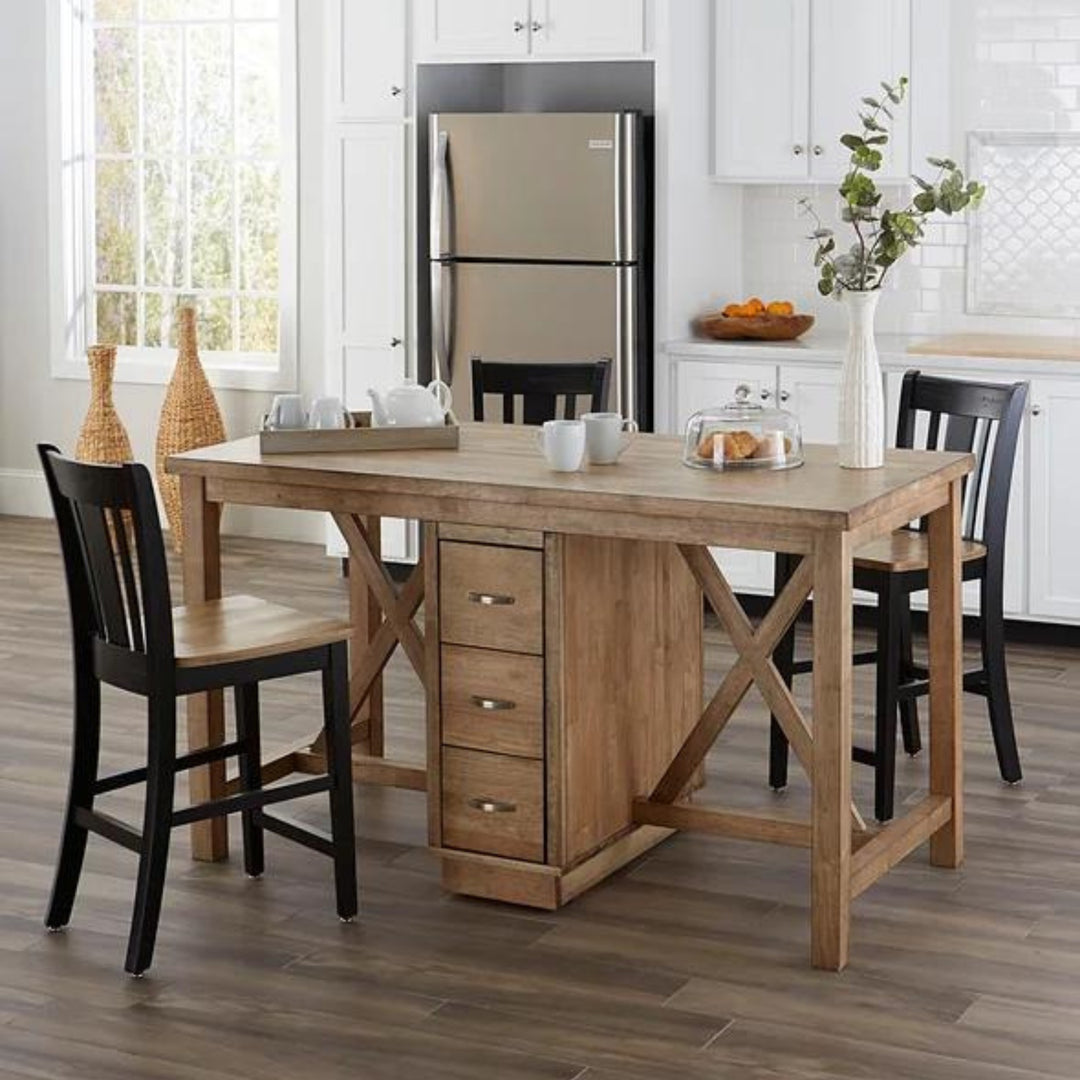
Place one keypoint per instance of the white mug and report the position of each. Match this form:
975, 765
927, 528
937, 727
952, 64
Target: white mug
563, 444
607, 435
328, 413
286, 412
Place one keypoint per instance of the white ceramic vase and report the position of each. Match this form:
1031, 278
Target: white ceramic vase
862, 400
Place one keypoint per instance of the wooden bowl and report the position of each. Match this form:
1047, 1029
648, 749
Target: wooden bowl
755, 328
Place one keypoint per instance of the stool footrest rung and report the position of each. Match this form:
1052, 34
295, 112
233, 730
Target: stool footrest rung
315, 839
250, 800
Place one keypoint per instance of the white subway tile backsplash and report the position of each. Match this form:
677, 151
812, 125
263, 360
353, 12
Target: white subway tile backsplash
1057, 52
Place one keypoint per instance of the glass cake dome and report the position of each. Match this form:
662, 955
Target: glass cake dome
743, 435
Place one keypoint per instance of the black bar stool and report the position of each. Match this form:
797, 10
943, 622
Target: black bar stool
126, 633
979, 418
540, 386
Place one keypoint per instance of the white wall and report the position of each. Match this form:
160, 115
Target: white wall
35, 407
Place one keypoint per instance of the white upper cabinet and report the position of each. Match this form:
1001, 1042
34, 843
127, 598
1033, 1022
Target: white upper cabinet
367, 60
472, 28
856, 46
762, 81
587, 27
790, 76
519, 29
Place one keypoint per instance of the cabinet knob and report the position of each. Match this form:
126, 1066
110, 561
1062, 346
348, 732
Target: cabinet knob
819, 150
397, 91
1036, 410
797, 149
536, 27
395, 342
785, 395
766, 394
518, 26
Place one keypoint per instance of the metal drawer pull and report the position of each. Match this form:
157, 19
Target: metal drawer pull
493, 704
491, 599
493, 806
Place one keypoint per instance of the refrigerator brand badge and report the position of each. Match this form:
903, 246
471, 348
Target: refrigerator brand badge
601, 144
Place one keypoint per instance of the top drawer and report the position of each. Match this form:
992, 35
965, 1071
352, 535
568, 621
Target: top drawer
491, 597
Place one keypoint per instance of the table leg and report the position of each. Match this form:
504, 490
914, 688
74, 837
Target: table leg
830, 889
364, 614
946, 677
205, 712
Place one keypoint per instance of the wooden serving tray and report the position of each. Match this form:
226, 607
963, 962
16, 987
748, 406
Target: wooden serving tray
361, 438
755, 328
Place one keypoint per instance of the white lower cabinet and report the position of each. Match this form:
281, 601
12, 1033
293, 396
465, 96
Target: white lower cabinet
812, 393
701, 384
1054, 423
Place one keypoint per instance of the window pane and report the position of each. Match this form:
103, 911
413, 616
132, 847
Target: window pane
210, 89
113, 10
163, 90
163, 217
116, 209
215, 323
260, 194
185, 9
211, 224
258, 325
158, 322
257, 90
114, 91
116, 319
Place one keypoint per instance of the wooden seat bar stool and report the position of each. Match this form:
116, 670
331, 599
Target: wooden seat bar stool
540, 385
126, 633
973, 417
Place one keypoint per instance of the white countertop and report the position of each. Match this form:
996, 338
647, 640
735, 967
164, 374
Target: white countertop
828, 348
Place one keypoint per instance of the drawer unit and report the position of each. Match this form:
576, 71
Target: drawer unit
491, 597
493, 804
493, 701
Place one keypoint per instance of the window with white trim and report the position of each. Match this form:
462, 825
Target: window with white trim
175, 140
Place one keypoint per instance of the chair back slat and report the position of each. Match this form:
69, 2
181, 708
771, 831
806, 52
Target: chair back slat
982, 419
541, 387
114, 555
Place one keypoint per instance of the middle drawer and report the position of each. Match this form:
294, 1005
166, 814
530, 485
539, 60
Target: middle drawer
493, 701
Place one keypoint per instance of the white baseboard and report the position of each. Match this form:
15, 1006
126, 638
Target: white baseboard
23, 494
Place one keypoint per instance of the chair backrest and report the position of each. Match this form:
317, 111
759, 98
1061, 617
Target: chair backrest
540, 386
979, 418
114, 556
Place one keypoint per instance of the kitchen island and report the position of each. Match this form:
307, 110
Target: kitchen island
495, 517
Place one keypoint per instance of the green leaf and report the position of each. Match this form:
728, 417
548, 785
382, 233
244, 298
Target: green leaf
925, 201
876, 140
852, 142
925, 185
825, 287
869, 122
820, 234
872, 102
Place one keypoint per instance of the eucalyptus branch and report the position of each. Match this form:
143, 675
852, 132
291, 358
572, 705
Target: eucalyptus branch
882, 237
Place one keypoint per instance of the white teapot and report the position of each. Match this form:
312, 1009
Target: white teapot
411, 405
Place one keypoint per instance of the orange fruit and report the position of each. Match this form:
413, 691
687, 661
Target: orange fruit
781, 307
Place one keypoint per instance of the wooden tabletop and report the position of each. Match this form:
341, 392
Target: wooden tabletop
501, 463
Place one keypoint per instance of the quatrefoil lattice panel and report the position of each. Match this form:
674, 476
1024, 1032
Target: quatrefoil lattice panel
1024, 241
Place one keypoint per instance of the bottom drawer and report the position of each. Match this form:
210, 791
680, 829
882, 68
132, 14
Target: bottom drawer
493, 804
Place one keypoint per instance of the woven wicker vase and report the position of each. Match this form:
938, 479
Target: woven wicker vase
102, 439
190, 418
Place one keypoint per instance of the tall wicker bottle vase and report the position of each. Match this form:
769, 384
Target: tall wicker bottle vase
190, 418
103, 438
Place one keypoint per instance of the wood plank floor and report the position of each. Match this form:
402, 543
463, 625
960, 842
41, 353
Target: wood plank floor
691, 963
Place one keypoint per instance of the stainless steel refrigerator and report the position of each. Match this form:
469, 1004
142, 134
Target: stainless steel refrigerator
539, 246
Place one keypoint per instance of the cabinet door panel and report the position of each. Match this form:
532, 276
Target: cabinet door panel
467, 28
1055, 507
698, 385
372, 185
856, 45
813, 395
762, 89
366, 57
595, 28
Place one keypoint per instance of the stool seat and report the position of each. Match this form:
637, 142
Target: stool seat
906, 550
247, 628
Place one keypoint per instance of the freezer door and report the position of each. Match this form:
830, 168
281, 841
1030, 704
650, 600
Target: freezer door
519, 186
541, 313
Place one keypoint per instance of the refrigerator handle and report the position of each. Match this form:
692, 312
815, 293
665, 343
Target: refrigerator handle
440, 195
442, 319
